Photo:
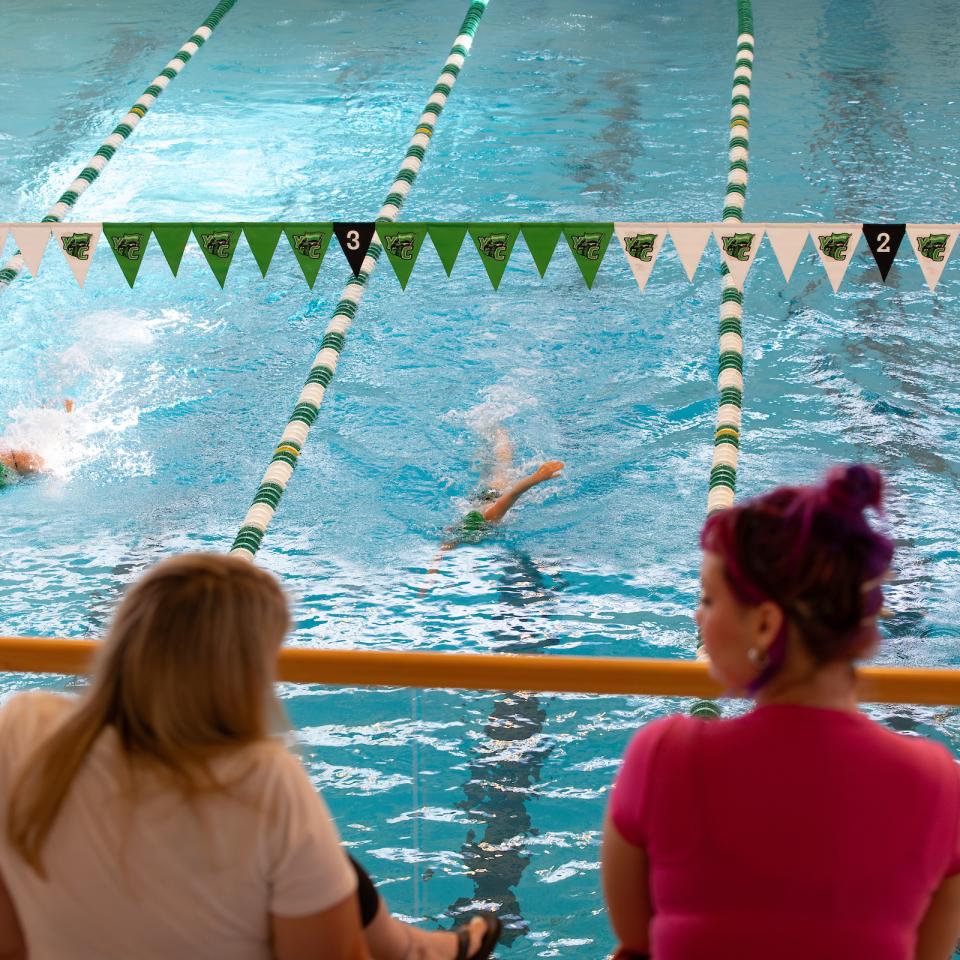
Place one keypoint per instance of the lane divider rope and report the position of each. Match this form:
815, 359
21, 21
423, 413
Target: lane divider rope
288, 450
15, 265
726, 438
726, 441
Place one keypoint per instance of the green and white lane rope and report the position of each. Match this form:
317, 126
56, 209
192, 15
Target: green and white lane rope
294, 437
726, 441
14, 266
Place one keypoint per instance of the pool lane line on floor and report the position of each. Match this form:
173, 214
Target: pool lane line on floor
726, 438
14, 266
294, 437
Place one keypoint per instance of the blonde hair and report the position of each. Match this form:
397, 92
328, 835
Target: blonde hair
185, 674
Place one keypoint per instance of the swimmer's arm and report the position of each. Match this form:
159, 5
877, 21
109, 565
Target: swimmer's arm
27, 463
434, 567
498, 509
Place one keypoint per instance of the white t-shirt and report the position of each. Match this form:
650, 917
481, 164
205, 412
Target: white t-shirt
163, 878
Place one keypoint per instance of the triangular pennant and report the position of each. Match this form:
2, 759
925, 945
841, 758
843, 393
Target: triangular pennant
262, 239
402, 243
933, 244
641, 244
32, 239
884, 239
836, 243
787, 242
172, 240
447, 238
588, 244
738, 243
309, 242
541, 240
78, 242
4, 230
355, 239
128, 241
690, 239
218, 241
494, 242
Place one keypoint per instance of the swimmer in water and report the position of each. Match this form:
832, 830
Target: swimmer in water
495, 496
18, 464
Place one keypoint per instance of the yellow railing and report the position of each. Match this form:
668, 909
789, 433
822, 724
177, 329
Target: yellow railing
620, 675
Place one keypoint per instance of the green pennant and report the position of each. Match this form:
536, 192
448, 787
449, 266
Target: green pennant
447, 239
588, 243
172, 238
262, 238
494, 242
402, 243
128, 241
218, 241
541, 240
309, 242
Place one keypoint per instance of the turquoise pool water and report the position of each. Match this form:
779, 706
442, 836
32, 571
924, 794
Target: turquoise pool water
617, 110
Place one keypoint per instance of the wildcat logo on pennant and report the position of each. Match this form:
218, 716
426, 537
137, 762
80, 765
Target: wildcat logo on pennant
587, 245
127, 245
494, 246
640, 246
309, 245
217, 244
834, 245
932, 244
401, 245
738, 246
641, 243
76, 245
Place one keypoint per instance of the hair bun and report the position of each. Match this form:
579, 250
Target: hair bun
854, 488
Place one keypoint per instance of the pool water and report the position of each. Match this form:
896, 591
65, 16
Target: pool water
614, 110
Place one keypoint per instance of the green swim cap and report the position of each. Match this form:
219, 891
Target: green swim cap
7, 475
473, 526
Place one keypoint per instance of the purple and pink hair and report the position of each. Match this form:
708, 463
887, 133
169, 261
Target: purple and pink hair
811, 551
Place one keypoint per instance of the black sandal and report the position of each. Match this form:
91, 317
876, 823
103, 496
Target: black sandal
489, 941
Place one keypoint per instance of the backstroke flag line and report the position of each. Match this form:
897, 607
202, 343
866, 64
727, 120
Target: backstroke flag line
586, 243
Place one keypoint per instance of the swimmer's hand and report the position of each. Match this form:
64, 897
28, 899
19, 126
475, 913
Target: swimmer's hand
548, 471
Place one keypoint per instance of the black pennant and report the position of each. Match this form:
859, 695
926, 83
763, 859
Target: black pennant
884, 241
355, 240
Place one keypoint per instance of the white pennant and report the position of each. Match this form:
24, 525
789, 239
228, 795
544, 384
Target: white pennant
787, 242
78, 241
32, 239
4, 230
932, 243
835, 242
641, 244
738, 243
690, 239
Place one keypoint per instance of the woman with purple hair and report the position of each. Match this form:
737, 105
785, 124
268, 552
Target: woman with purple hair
803, 828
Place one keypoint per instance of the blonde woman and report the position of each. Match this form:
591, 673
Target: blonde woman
157, 817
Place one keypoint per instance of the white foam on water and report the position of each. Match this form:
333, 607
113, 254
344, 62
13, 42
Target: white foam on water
500, 402
92, 372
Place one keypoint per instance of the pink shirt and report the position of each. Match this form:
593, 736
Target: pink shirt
791, 832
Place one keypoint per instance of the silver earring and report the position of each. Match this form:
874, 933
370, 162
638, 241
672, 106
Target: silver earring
758, 657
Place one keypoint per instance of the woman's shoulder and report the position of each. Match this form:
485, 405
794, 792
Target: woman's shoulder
32, 709
25, 718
